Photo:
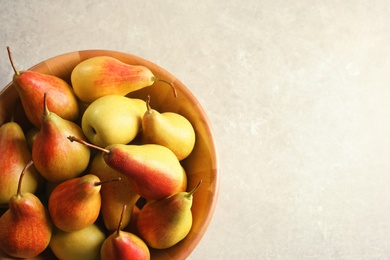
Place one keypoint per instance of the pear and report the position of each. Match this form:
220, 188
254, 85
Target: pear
112, 119
83, 244
32, 85
25, 228
75, 204
115, 195
164, 223
168, 129
31, 134
15, 154
53, 156
124, 245
153, 170
103, 75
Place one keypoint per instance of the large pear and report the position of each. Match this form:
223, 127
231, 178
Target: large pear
103, 75
53, 156
113, 119
153, 171
32, 85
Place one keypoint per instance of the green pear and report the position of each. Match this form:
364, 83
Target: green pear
32, 85
15, 154
122, 245
169, 129
112, 119
75, 204
153, 170
103, 75
164, 223
83, 244
25, 228
54, 158
115, 195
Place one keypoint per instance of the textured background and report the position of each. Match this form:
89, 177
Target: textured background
298, 93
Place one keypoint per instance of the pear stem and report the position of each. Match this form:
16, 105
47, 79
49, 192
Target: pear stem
167, 82
45, 108
81, 141
148, 108
12, 61
107, 181
19, 190
118, 230
189, 194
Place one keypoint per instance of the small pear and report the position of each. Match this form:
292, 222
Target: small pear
169, 129
15, 154
25, 228
153, 170
115, 195
32, 85
75, 204
83, 244
112, 119
164, 223
122, 245
53, 156
103, 75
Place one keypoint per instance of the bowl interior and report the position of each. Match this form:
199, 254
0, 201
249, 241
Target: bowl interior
201, 164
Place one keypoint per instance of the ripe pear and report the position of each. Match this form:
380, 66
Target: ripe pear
25, 228
169, 129
153, 170
53, 156
164, 223
112, 119
115, 195
103, 75
83, 244
15, 154
32, 85
124, 245
75, 204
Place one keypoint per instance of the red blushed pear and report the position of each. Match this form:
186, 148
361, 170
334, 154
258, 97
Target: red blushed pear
25, 228
164, 223
153, 171
32, 85
15, 154
124, 245
103, 75
54, 157
75, 204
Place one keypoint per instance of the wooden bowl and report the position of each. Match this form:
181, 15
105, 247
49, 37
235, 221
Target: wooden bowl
201, 164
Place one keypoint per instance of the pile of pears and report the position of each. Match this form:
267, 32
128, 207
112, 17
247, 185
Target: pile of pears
98, 175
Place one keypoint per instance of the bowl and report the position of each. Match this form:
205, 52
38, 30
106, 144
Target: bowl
201, 164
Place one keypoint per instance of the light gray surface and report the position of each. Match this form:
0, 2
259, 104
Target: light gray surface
298, 93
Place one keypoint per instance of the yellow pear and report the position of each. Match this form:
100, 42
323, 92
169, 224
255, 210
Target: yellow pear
83, 244
103, 75
113, 119
169, 129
